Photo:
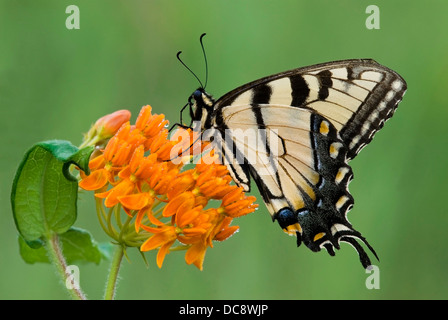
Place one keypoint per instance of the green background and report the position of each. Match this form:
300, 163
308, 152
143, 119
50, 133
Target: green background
55, 82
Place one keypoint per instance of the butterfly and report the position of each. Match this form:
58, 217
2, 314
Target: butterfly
294, 134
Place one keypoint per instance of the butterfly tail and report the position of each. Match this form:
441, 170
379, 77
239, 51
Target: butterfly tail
345, 233
363, 257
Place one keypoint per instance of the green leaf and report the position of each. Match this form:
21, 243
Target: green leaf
30, 254
44, 193
77, 247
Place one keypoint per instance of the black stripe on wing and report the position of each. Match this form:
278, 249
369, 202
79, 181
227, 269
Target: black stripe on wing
325, 82
299, 90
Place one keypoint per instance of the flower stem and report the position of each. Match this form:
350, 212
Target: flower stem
102, 216
90, 142
111, 284
57, 258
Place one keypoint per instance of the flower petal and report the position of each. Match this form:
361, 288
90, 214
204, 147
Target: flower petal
187, 217
96, 180
184, 182
162, 253
125, 187
136, 201
97, 163
102, 195
226, 233
193, 232
195, 254
154, 220
184, 200
159, 239
143, 117
137, 158
234, 195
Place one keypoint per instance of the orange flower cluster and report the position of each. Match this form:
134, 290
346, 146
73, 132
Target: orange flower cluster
165, 203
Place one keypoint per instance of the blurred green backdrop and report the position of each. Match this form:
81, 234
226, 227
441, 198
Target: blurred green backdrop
55, 82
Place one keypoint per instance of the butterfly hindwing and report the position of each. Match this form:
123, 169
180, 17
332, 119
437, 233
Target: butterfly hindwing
298, 162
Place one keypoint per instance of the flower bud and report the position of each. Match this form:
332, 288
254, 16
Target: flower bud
105, 128
108, 125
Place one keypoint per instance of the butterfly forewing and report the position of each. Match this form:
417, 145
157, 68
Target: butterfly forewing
357, 96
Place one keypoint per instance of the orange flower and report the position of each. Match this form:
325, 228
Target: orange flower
185, 181
213, 185
236, 204
150, 125
167, 207
225, 231
189, 226
105, 166
163, 238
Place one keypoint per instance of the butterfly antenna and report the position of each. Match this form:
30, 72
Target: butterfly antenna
178, 58
205, 58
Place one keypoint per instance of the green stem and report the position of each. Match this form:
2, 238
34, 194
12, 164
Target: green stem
90, 142
102, 216
118, 216
57, 258
109, 223
180, 248
124, 229
111, 284
158, 213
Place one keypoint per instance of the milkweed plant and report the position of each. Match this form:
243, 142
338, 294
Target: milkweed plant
152, 191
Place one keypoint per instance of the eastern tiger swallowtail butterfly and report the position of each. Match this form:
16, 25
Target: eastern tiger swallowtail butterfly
318, 117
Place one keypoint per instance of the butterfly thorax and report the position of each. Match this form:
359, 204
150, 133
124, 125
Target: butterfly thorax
201, 108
